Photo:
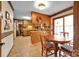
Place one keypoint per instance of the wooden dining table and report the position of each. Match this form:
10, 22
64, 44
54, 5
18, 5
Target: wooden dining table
58, 41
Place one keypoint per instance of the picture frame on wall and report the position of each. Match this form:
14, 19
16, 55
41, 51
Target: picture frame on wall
7, 15
7, 20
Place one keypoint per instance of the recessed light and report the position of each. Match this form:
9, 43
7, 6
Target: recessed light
27, 17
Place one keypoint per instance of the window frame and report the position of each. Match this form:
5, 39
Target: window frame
63, 22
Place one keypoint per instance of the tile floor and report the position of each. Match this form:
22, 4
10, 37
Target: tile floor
23, 48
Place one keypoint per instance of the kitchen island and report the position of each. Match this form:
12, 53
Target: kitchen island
35, 36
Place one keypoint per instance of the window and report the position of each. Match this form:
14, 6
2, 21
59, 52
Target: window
69, 25
64, 24
58, 27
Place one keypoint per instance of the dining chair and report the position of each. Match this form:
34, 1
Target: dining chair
64, 34
47, 47
66, 48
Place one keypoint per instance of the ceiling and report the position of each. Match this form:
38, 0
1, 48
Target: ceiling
24, 8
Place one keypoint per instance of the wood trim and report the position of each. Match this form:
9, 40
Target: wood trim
76, 29
0, 19
53, 26
63, 16
67, 9
63, 26
18, 19
0, 6
76, 25
0, 25
11, 5
5, 34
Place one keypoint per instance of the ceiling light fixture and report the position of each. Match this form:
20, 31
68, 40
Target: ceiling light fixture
41, 4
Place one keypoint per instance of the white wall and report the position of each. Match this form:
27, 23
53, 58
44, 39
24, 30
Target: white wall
6, 7
9, 39
8, 45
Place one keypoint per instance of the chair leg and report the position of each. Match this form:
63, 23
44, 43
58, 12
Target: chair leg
59, 53
42, 52
46, 53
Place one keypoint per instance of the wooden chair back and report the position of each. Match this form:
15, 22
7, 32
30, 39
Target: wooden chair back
64, 34
46, 46
43, 40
